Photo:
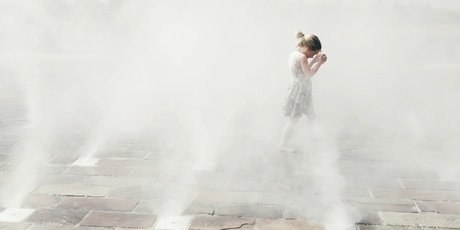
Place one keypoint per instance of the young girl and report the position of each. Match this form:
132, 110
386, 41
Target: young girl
299, 98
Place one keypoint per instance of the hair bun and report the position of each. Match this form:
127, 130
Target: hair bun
299, 35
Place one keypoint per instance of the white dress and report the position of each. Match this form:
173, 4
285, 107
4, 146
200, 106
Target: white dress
299, 98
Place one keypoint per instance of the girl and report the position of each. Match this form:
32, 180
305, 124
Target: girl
299, 98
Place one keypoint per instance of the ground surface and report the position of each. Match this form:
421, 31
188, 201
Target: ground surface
129, 185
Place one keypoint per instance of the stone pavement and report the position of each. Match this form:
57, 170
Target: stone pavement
134, 185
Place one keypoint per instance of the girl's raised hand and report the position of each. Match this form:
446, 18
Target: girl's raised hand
323, 57
317, 57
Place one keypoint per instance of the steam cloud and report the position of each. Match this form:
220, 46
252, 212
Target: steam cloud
206, 77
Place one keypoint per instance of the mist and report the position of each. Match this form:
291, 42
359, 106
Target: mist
206, 79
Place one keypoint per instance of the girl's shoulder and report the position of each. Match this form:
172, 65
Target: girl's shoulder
297, 55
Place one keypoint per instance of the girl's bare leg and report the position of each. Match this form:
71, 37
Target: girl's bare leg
287, 131
311, 125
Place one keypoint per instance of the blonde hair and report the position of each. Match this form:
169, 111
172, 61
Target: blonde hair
310, 41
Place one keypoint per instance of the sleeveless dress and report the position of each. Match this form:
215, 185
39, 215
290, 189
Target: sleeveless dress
299, 98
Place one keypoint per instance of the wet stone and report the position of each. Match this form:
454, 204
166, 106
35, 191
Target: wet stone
267, 224
369, 227
255, 211
441, 207
356, 192
72, 190
369, 217
102, 204
229, 175
148, 148
119, 219
61, 179
173, 222
397, 205
15, 226
149, 206
421, 219
249, 186
197, 208
217, 222
374, 182
63, 160
54, 169
431, 184
224, 196
452, 195
98, 171
40, 201
146, 172
126, 163
52, 227
142, 193
57, 216
111, 181
408, 194
140, 155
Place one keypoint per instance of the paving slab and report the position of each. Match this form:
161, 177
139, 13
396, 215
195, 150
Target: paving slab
40, 201
149, 206
73, 190
52, 227
217, 222
57, 216
360, 191
119, 219
452, 195
14, 226
137, 192
413, 194
173, 222
253, 210
377, 204
153, 172
98, 203
373, 182
281, 224
369, 217
54, 169
250, 186
117, 181
229, 176
98, 171
421, 219
397, 228
200, 208
63, 160
228, 196
122, 154
439, 206
431, 184
127, 163
289, 199
15, 214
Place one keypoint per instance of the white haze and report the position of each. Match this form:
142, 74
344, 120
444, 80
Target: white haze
203, 77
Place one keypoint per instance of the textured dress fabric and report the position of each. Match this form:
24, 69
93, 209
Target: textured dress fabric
299, 98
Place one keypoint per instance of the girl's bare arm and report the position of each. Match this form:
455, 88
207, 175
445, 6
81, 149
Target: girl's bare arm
310, 69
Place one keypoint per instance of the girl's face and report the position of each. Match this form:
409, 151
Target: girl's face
310, 53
